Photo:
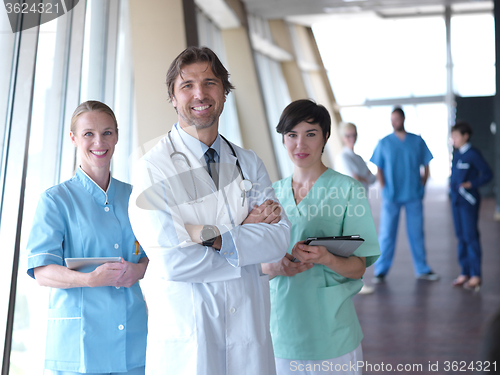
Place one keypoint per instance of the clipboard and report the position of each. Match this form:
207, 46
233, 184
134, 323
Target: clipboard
342, 246
78, 264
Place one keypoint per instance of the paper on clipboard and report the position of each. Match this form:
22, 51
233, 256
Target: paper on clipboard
342, 246
78, 264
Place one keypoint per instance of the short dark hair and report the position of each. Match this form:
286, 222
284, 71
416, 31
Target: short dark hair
304, 110
399, 111
193, 55
463, 127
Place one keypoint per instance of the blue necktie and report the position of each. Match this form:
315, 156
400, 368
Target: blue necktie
212, 169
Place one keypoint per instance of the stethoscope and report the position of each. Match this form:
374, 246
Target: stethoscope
245, 185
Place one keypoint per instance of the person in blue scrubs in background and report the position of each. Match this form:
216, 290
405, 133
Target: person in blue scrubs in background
97, 321
399, 157
469, 170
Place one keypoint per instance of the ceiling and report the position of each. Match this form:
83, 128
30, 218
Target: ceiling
271, 9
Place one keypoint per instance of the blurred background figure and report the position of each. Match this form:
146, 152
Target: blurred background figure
350, 163
399, 158
469, 171
353, 165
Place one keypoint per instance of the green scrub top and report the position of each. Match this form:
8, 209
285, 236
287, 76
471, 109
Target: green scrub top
312, 313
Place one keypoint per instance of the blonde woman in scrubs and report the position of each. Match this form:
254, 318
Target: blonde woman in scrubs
350, 163
314, 326
97, 321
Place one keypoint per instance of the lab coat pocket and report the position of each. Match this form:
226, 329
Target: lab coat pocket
63, 335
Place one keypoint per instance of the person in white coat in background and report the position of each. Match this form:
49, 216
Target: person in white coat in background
353, 165
205, 212
350, 163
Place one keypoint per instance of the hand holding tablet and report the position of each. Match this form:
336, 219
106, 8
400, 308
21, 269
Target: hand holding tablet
342, 246
78, 264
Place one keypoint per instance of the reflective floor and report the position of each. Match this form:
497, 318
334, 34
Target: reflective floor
430, 326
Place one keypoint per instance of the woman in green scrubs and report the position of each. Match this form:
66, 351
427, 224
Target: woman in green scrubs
314, 326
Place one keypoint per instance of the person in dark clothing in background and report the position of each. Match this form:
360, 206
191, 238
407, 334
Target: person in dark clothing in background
469, 171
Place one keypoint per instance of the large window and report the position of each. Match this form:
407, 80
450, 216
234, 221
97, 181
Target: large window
209, 35
274, 90
69, 69
473, 51
7, 44
427, 120
371, 58
375, 64
29, 327
123, 94
276, 98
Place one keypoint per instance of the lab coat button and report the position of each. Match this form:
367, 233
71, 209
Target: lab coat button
106, 209
120, 327
231, 253
116, 246
224, 253
232, 310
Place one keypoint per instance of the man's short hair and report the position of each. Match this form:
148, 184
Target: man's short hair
399, 111
463, 127
193, 55
304, 110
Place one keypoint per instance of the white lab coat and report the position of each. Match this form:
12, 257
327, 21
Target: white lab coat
208, 314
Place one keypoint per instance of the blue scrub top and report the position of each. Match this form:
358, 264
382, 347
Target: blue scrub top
101, 329
401, 161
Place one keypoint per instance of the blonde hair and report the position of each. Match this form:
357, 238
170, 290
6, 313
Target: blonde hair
344, 126
91, 106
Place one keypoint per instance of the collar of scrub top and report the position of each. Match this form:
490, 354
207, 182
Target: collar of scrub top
101, 197
464, 148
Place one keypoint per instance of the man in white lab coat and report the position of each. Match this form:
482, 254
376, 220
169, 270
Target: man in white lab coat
205, 213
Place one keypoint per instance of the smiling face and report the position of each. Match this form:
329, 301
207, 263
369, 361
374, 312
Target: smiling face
95, 136
198, 96
304, 144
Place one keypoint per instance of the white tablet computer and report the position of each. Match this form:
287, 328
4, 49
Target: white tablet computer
342, 246
87, 263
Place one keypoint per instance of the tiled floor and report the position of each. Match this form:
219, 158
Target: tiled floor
414, 322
